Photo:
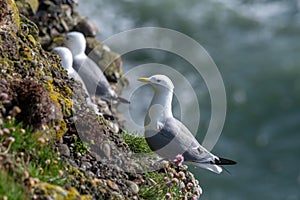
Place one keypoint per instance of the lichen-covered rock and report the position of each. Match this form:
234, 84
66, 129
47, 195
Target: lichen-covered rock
31, 71
49, 191
27, 7
9, 16
52, 17
86, 27
109, 61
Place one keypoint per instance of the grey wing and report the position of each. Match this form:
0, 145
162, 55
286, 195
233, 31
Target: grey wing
93, 77
174, 138
76, 77
193, 150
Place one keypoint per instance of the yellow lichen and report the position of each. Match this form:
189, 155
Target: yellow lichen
15, 12
59, 193
28, 53
32, 40
61, 130
68, 91
64, 103
34, 4
4, 62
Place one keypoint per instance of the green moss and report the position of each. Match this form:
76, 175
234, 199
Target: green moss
136, 144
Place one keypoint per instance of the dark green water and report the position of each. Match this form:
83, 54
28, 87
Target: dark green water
256, 46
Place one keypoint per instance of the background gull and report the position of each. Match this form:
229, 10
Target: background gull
94, 79
167, 136
66, 61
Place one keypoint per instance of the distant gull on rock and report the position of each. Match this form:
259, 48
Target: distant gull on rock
167, 136
94, 79
67, 60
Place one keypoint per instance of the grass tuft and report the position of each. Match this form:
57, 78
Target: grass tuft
10, 188
81, 146
136, 144
26, 155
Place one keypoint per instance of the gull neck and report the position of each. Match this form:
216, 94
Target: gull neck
163, 98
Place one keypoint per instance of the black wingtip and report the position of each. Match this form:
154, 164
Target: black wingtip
122, 100
224, 161
108, 117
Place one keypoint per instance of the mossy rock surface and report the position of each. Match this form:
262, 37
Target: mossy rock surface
23, 61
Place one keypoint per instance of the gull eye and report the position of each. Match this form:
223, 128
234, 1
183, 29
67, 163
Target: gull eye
157, 80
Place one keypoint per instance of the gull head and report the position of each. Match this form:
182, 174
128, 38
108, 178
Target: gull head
66, 57
158, 82
76, 42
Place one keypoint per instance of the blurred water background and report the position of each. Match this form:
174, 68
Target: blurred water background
256, 46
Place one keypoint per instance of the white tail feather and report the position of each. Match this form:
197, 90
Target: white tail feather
214, 168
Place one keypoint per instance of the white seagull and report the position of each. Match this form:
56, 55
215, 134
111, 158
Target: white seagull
66, 61
94, 79
167, 136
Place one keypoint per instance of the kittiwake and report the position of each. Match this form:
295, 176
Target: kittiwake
169, 137
94, 79
66, 61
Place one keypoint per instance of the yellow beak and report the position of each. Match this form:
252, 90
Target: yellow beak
59, 40
142, 79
